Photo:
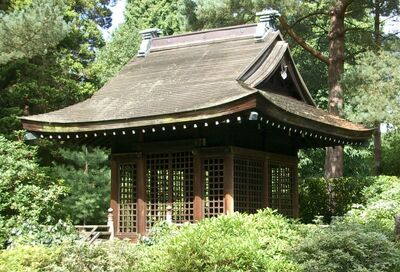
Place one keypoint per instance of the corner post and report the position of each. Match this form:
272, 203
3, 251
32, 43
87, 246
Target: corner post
198, 188
110, 223
114, 204
228, 183
141, 196
265, 194
295, 192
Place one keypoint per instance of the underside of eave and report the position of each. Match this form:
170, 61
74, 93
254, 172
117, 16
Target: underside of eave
273, 111
255, 101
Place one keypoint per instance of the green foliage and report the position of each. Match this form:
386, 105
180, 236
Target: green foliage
110, 256
266, 241
60, 76
86, 173
28, 258
328, 198
206, 14
362, 240
383, 202
26, 190
124, 43
116, 256
31, 232
347, 247
30, 31
238, 242
373, 88
390, 154
357, 162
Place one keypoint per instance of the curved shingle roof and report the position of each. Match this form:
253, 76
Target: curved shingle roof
191, 77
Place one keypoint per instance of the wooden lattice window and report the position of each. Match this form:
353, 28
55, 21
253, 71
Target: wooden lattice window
157, 187
248, 184
169, 182
213, 174
127, 198
281, 180
182, 187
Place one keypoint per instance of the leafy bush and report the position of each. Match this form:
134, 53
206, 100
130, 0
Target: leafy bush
382, 204
28, 258
237, 242
110, 256
32, 233
327, 198
347, 247
70, 257
26, 190
390, 154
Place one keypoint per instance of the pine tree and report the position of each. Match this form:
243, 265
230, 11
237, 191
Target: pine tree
124, 43
31, 30
86, 173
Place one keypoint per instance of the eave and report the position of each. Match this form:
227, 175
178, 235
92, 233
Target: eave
256, 101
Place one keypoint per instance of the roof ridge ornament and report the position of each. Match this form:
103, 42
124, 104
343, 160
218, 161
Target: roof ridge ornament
266, 23
147, 37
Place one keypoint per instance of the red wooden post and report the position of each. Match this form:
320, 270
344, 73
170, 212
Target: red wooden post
265, 195
198, 188
228, 184
295, 192
141, 197
114, 193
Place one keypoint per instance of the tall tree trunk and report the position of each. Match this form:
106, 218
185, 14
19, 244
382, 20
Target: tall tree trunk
334, 155
377, 133
377, 149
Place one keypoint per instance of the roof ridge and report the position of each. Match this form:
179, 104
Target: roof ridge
205, 31
204, 37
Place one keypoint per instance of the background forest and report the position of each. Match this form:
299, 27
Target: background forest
53, 54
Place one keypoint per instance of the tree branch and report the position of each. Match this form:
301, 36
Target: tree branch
308, 16
299, 40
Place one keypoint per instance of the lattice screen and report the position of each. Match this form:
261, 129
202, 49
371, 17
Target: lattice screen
182, 187
157, 187
281, 180
213, 187
127, 198
169, 181
248, 184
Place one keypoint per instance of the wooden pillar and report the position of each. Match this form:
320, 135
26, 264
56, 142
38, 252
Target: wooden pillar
141, 196
228, 183
295, 192
114, 193
265, 194
198, 188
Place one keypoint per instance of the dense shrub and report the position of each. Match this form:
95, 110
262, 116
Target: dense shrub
112, 256
327, 198
347, 247
116, 256
238, 242
32, 233
382, 204
362, 240
26, 190
28, 258
390, 154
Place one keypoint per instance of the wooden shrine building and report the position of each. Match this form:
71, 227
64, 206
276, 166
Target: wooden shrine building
207, 123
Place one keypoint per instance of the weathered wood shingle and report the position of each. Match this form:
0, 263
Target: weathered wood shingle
195, 76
